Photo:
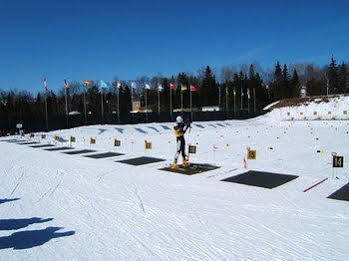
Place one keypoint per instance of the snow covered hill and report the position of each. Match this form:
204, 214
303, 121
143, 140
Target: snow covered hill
311, 108
56, 206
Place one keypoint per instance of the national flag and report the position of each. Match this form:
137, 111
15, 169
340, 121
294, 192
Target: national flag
193, 88
87, 82
147, 86
248, 94
160, 88
183, 87
102, 84
173, 87
44, 81
66, 84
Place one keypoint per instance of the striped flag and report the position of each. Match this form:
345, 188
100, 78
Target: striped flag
66, 84
193, 88
173, 87
44, 82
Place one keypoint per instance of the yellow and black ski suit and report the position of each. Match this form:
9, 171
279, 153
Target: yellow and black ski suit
179, 130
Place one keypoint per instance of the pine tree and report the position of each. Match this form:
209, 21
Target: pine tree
333, 77
276, 86
295, 85
285, 83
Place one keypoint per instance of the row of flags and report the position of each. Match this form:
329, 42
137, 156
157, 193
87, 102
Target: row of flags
119, 85
133, 86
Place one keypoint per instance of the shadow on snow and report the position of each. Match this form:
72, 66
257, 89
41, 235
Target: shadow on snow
7, 200
32, 238
11, 224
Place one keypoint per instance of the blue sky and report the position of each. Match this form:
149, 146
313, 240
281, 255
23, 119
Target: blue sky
106, 39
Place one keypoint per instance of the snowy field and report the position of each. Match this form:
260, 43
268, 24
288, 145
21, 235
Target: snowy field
55, 206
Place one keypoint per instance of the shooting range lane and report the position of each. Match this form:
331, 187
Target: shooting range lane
261, 179
104, 155
141, 161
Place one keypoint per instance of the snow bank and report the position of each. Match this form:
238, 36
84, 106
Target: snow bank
335, 108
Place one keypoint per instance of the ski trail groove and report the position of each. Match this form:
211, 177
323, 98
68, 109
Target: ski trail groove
18, 183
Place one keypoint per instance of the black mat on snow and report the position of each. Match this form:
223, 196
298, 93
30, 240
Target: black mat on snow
28, 143
194, 168
59, 148
141, 161
199, 125
165, 127
13, 141
42, 146
261, 179
341, 194
78, 152
104, 155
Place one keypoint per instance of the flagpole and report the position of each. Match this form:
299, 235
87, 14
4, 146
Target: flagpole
85, 110
242, 98
170, 102
226, 99
102, 108
118, 102
66, 105
159, 102
234, 102
46, 111
248, 101
146, 105
191, 103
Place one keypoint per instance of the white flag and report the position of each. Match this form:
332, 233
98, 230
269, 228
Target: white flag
118, 84
248, 94
160, 88
133, 85
147, 86
234, 92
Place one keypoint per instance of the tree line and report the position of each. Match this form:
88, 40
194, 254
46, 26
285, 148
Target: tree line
247, 87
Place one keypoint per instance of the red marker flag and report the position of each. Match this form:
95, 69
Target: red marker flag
172, 86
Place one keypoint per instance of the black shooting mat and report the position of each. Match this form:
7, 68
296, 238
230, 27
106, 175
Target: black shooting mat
12, 141
78, 152
59, 148
141, 161
199, 125
341, 194
28, 143
42, 146
193, 169
261, 179
104, 155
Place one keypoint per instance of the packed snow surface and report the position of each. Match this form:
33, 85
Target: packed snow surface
55, 206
